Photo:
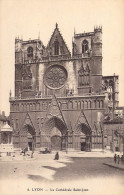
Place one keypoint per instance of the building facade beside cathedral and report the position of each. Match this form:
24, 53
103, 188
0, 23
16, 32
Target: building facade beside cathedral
62, 101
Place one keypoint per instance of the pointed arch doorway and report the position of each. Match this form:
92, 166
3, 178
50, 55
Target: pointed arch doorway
27, 137
85, 137
56, 139
58, 133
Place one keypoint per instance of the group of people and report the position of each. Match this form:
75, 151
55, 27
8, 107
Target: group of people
117, 159
24, 150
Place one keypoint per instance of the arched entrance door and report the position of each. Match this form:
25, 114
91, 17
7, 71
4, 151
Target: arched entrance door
27, 138
56, 139
85, 137
56, 142
58, 133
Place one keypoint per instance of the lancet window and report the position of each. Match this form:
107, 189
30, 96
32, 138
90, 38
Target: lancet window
84, 46
56, 48
30, 52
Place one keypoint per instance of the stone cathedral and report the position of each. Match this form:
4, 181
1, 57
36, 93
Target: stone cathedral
61, 98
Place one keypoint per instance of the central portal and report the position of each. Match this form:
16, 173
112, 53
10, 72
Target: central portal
56, 139
56, 143
58, 134
55, 78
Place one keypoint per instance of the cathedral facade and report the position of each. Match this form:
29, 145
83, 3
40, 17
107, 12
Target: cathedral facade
60, 98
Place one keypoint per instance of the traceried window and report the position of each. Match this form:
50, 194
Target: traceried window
56, 48
84, 46
111, 83
30, 52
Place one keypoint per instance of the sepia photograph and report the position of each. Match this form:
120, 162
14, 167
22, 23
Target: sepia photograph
61, 97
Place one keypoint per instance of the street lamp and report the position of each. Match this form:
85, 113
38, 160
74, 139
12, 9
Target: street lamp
72, 138
113, 140
102, 134
102, 139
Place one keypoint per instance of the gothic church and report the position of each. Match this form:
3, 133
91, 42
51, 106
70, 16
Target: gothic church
60, 97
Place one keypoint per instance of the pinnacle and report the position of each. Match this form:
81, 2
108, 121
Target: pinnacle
56, 25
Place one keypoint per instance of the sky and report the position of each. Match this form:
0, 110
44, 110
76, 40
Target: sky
26, 18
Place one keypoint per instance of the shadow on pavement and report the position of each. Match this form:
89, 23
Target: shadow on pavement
81, 168
37, 178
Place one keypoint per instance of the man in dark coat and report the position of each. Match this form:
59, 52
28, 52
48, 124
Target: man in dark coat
122, 159
115, 158
118, 159
56, 156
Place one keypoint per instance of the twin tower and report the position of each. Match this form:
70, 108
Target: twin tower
84, 66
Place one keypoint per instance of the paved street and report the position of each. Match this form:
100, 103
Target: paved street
44, 170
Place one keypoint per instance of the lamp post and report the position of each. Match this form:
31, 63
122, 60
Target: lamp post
72, 139
67, 141
102, 138
112, 140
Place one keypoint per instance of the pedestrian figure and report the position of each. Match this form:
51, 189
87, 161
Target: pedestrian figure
56, 156
122, 159
115, 158
118, 159
24, 151
32, 154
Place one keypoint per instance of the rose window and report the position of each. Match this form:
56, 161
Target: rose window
55, 77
